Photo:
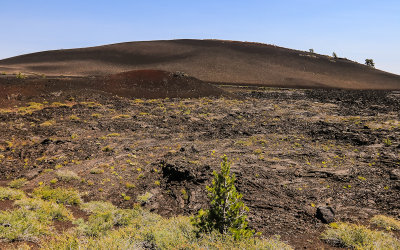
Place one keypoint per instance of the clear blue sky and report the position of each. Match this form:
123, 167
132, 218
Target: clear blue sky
356, 29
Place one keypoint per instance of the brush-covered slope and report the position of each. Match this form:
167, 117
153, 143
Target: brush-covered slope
209, 60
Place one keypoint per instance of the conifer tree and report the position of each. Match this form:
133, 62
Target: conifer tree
370, 63
227, 213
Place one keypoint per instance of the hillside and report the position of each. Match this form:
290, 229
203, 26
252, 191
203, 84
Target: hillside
211, 61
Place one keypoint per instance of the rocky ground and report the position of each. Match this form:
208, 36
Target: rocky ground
292, 152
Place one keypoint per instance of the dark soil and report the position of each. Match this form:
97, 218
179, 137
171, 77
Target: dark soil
78, 213
292, 151
6, 205
18, 245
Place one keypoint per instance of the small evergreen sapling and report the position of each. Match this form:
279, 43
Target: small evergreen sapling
227, 213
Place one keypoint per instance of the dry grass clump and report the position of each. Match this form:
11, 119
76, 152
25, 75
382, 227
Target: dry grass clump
47, 123
74, 118
33, 106
114, 135
358, 237
97, 206
122, 116
67, 175
96, 171
386, 222
10, 194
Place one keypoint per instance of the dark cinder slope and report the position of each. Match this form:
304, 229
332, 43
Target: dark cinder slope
131, 84
211, 61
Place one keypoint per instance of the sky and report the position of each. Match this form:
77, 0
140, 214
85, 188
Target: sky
354, 29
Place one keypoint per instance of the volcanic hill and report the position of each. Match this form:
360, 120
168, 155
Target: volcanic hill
211, 61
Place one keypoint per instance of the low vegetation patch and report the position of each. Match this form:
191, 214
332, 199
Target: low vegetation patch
17, 183
59, 195
103, 221
145, 197
358, 237
10, 194
386, 222
22, 224
47, 210
109, 227
142, 229
97, 206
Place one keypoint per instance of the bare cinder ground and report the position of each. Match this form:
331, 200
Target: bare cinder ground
210, 61
292, 151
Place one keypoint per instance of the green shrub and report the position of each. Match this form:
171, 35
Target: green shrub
358, 237
17, 183
11, 194
227, 213
59, 195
